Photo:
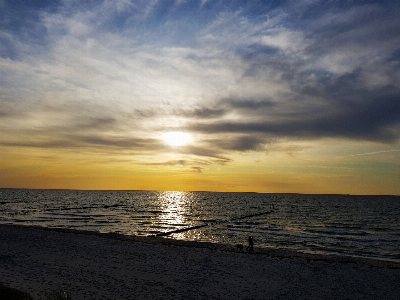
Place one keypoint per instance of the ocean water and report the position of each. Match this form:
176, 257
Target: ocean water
366, 226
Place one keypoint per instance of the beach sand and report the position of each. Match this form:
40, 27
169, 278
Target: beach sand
111, 266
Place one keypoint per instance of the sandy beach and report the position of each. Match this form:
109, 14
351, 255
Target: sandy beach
110, 266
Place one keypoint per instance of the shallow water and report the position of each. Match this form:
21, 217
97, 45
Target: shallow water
367, 226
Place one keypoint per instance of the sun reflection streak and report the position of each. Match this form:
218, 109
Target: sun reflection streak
174, 207
177, 214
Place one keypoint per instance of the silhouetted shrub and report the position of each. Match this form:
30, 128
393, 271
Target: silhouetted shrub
7, 293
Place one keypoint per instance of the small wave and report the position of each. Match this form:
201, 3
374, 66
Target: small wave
208, 220
302, 222
156, 212
336, 232
139, 218
104, 222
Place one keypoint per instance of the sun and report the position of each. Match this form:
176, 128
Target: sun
177, 138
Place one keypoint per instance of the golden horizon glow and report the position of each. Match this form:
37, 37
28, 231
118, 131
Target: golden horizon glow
131, 101
301, 172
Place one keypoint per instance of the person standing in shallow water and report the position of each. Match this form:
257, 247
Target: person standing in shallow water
251, 244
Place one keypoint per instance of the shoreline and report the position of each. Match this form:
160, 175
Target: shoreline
199, 191
224, 247
92, 265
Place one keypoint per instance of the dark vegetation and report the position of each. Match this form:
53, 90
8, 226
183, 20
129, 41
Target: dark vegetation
7, 293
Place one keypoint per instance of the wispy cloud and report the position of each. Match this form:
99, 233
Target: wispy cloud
370, 153
236, 73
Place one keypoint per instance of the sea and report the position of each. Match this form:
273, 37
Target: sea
359, 226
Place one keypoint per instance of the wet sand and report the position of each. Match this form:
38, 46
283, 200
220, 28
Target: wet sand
111, 266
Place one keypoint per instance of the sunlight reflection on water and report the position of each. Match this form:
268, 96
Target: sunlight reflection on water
356, 225
174, 208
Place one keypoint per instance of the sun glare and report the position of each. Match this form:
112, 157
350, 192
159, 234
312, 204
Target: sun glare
177, 138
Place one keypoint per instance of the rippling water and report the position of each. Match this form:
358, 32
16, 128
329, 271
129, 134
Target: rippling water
328, 224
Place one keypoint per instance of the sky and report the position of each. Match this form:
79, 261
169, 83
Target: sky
201, 95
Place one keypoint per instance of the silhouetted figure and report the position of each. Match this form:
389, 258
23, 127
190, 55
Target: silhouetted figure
251, 244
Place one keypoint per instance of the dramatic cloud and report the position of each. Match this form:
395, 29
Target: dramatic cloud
240, 76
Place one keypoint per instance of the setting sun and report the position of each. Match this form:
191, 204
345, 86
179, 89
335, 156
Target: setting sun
177, 138
140, 100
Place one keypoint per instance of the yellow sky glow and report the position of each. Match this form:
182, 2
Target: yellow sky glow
250, 97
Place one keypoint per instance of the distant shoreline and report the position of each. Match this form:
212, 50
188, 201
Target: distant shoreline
228, 192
